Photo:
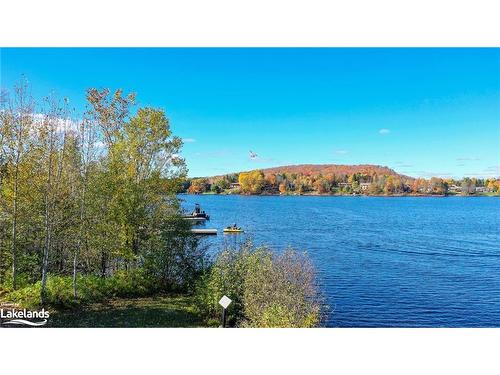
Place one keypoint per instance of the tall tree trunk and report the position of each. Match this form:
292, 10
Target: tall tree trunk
103, 264
14, 228
80, 238
46, 250
45, 263
48, 226
50, 204
2, 270
75, 262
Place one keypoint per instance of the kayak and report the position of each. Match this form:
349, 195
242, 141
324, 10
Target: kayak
233, 230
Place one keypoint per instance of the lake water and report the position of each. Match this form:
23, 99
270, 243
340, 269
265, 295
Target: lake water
381, 262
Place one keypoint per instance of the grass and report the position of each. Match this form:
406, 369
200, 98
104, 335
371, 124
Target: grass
148, 312
120, 301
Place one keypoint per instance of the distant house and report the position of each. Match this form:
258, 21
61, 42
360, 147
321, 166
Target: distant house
364, 186
455, 189
234, 185
481, 189
344, 184
279, 178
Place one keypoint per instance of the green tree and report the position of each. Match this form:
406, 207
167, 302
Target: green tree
90, 197
219, 185
16, 125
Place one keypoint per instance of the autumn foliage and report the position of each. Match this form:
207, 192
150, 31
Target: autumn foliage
252, 182
339, 179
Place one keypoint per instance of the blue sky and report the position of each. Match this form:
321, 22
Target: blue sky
423, 112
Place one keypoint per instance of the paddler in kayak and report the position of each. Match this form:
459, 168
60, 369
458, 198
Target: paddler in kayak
233, 228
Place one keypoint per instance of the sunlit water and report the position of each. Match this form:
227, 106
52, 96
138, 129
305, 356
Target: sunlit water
381, 262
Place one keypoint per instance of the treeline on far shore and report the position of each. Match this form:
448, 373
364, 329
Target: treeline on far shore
259, 182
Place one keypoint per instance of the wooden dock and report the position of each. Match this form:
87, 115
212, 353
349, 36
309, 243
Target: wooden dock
195, 219
204, 231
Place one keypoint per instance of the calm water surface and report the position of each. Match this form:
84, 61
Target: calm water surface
382, 262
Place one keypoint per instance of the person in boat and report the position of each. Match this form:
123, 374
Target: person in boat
197, 209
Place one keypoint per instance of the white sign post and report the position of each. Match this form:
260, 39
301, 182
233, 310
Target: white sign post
225, 301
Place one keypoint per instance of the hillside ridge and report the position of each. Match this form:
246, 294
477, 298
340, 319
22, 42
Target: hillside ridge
325, 169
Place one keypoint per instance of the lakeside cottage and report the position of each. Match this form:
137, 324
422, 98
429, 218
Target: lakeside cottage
234, 185
364, 186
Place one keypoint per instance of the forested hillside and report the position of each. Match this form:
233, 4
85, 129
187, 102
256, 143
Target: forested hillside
334, 169
363, 179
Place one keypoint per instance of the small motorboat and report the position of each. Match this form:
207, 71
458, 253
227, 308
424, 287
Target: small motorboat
233, 230
197, 215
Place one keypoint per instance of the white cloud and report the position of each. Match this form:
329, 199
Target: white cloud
61, 124
468, 159
493, 171
384, 131
188, 140
428, 174
258, 159
494, 168
213, 154
401, 164
340, 152
99, 144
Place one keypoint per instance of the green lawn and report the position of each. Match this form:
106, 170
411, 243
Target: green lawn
158, 312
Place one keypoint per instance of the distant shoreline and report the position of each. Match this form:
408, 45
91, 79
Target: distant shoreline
354, 196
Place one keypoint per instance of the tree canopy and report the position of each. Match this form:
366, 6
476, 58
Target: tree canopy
90, 195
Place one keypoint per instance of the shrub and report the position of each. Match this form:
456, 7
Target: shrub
90, 288
24, 279
225, 277
280, 291
129, 284
267, 289
174, 258
60, 291
28, 297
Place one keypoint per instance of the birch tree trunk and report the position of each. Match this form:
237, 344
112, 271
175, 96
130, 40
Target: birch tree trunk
16, 125
48, 231
49, 202
87, 139
19, 146
80, 241
14, 230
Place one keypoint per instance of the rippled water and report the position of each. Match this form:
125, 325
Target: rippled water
382, 262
